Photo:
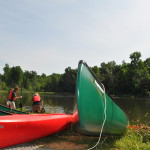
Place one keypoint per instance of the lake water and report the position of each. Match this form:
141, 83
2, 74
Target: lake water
137, 109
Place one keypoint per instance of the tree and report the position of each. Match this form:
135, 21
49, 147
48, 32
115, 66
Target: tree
145, 84
6, 76
135, 59
68, 80
128, 78
96, 71
16, 76
147, 64
135, 73
122, 79
108, 73
52, 83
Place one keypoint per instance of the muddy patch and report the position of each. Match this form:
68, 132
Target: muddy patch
66, 146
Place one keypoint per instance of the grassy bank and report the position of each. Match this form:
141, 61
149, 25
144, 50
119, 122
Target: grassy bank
136, 138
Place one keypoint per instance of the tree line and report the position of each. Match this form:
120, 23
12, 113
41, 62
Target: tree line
131, 78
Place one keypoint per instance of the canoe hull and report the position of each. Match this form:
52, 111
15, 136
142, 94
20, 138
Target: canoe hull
92, 100
18, 128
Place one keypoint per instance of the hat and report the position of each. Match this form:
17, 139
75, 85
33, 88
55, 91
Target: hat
16, 88
36, 94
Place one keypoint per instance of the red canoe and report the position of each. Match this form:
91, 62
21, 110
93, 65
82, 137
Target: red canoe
15, 129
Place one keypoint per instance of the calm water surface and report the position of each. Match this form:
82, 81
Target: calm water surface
137, 109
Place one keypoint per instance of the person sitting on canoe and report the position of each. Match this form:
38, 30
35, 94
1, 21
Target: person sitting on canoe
12, 97
36, 103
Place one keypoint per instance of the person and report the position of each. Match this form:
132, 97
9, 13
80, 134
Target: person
36, 103
12, 97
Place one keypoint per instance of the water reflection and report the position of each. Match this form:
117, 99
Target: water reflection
53, 103
137, 109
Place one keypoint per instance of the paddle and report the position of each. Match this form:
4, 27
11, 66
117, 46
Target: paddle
20, 105
43, 109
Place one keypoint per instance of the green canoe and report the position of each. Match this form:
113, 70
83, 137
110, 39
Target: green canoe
96, 109
3, 113
7, 111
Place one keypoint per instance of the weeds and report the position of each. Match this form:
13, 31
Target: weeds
136, 138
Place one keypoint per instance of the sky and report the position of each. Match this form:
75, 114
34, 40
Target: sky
47, 36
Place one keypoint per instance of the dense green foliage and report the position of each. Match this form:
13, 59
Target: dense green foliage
129, 78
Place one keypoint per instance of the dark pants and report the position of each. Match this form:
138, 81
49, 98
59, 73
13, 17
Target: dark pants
36, 107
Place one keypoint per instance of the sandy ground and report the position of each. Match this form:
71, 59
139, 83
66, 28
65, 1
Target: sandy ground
53, 143
24, 146
49, 146
66, 140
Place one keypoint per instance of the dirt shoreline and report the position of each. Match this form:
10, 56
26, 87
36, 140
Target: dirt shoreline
56, 142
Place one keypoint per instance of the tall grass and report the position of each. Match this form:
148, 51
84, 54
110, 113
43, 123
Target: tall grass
135, 139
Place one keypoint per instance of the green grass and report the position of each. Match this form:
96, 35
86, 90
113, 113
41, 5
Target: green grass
134, 140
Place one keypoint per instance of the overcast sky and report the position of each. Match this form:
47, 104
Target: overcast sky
48, 36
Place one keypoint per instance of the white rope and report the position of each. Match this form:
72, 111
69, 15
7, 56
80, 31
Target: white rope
105, 116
